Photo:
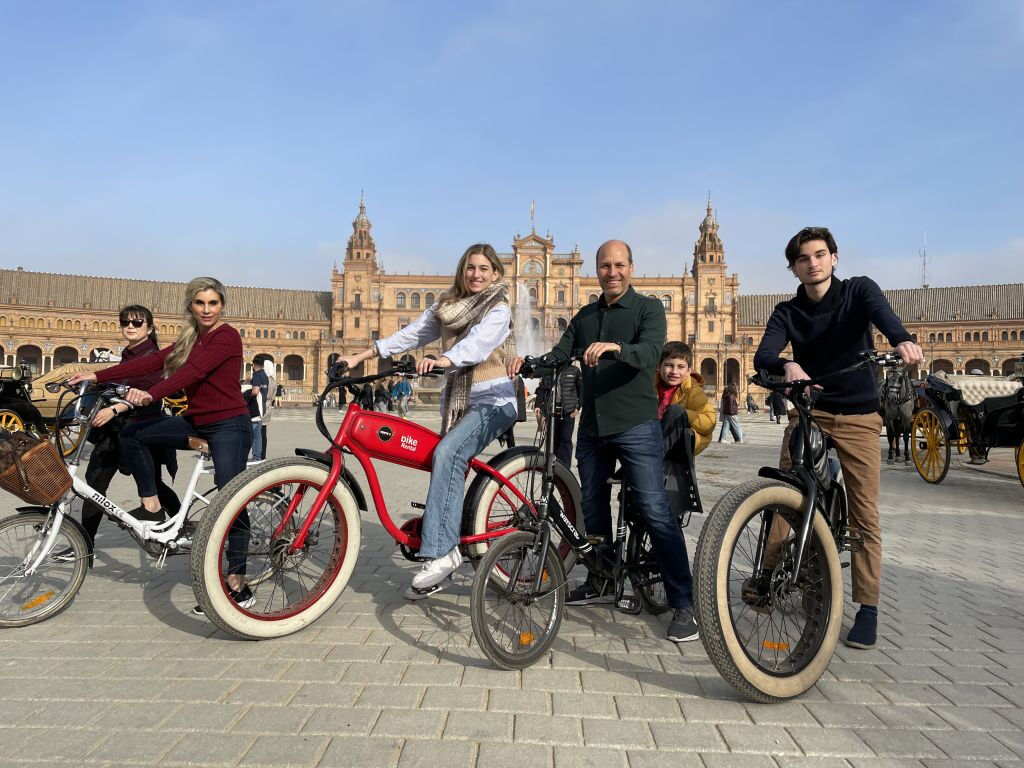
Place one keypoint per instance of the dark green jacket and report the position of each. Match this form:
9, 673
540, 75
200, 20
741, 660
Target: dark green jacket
617, 394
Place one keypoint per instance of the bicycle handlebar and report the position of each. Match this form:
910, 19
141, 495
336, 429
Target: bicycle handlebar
778, 383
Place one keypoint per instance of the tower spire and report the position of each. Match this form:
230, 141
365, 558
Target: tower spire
533, 211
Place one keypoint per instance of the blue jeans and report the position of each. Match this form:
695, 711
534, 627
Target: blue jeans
442, 517
229, 439
257, 440
640, 452
734, 427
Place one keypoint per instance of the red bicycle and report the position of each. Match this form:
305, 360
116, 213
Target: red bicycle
292, 525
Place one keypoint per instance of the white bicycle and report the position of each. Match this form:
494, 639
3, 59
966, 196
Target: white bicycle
44, 551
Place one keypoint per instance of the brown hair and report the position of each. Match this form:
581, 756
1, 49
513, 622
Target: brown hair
676, 349
459, 290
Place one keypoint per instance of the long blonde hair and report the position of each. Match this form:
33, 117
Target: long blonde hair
459, 289
190, 331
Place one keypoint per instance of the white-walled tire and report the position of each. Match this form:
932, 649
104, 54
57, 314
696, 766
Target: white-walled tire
726, 608
245, 525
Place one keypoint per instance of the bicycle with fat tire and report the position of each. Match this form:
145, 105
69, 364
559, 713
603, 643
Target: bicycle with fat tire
768, 580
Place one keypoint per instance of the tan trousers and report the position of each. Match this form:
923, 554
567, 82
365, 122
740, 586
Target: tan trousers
855, 437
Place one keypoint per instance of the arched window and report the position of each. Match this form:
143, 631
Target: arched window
913, 337
1004, 336
302, 334
1013, 335
430, 300
967, 337
976, 336
984, 335
415, 299
78, 325
259, 333
273, 334
293, 368
95, 325
949, 338
22, 322
241, 332
533, 294
561, 324
60, 323
592, 298
400, 300
666, 302
931, 337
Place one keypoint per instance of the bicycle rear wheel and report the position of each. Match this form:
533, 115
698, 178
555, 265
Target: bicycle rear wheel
50, 589
514, 623
246, 530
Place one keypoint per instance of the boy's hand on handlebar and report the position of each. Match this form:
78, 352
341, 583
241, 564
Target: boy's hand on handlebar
514, 366
594, 351
910, 352
795, 372
138, 397
426, 365
78, 378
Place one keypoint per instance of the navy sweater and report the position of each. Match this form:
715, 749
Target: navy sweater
830, 335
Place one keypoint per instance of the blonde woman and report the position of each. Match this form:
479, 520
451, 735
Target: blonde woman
205, 361
473, 321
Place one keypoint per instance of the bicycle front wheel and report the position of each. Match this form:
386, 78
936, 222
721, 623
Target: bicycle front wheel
247, 531
769, 632
514, 622
50, 589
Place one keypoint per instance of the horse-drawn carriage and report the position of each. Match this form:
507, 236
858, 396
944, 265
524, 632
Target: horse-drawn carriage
25, 405
968, 413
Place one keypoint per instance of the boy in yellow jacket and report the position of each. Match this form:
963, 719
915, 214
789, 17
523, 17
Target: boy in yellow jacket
677, 385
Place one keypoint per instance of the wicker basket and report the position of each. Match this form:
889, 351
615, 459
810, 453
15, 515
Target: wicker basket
34, 469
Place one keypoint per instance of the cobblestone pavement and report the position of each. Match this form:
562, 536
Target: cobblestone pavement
127, 676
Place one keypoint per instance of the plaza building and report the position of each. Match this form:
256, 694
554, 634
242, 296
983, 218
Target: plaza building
50, 319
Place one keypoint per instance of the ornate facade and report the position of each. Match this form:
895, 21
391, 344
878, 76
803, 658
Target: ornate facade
49, 319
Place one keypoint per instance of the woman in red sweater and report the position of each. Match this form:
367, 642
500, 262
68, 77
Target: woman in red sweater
206, 362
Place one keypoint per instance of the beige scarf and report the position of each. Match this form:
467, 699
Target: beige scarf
459, 316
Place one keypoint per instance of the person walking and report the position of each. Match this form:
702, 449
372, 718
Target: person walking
570, 386
730, 412
778, 407
272, 386
402, 392
828, 325
622, 334
257, 402
474, 323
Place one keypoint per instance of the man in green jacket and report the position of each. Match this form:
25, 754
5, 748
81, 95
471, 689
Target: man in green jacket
620, 421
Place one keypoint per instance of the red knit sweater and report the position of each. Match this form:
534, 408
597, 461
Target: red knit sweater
209, 376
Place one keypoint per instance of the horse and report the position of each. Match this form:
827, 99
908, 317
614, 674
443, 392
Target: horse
896, 395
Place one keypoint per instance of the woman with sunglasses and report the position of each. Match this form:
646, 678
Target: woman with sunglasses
138, 331
205, 360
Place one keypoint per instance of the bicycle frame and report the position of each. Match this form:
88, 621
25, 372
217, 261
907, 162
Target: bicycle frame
369, 435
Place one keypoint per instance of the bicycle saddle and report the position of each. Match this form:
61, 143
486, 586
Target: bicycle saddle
198, 444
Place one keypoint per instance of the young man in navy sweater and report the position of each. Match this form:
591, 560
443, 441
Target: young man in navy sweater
828, 323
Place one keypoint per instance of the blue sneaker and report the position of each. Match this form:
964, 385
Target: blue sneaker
864, 632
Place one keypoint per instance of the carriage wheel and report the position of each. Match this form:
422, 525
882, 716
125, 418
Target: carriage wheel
11, 421
930, 446
961, 443
1020, 461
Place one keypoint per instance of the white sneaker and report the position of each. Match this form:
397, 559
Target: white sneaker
411, 593
438, 569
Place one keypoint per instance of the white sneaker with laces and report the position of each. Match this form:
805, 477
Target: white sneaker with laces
437, 570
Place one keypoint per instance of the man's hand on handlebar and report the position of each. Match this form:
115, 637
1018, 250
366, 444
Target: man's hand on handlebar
427, 365
78, 378
514, 366
795, 372
910, 352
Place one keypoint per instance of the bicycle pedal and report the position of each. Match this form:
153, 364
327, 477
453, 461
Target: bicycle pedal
853, 540
629, 604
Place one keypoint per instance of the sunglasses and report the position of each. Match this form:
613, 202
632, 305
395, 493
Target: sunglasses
133, 323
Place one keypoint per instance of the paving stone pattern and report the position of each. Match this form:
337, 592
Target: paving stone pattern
126, 676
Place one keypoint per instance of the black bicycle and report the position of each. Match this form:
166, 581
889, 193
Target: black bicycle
519, 589
768, 580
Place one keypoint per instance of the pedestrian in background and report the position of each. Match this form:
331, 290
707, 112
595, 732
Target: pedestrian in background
272, 386
257, 401
401, 393
730, 410
778, 406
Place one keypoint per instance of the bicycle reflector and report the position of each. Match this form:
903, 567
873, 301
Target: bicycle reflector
37, 601
781, 646
525, 639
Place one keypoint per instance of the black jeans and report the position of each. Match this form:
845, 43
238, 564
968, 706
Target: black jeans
564, 426
103, 465
640, 451
230, 441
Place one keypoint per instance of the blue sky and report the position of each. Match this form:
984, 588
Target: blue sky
165, 140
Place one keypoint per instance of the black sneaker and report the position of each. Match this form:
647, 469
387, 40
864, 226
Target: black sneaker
589, 594
244, 598
143, 514
864, 632
682, 628
64, 556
